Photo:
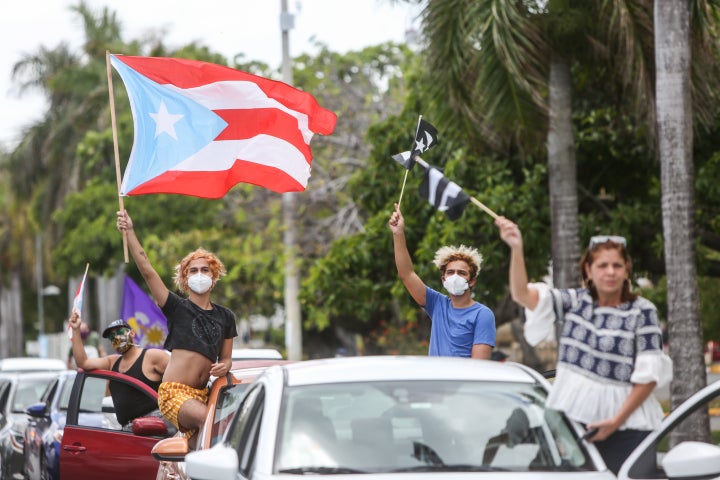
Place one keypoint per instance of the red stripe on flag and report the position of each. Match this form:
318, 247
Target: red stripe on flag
244, 124
185, 73
212, 185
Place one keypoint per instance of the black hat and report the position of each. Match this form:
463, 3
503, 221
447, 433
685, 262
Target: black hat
116, 324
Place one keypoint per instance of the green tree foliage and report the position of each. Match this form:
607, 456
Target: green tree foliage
62, 180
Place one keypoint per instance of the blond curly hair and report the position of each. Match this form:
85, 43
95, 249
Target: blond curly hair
468, 255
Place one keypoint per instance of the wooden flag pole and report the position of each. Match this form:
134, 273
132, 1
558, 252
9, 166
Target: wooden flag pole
115, 144
402, 189
483, 207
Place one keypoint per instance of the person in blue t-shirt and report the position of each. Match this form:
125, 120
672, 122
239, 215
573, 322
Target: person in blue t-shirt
461, 327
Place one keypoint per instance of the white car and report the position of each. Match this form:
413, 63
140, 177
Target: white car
399, 418
31, 364
255, 354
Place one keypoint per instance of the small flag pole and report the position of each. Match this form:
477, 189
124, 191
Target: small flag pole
483, 207
402, 189
474, 200
115, 144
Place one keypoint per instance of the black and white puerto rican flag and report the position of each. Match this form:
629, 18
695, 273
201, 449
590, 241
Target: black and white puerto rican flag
443, 194
426, 137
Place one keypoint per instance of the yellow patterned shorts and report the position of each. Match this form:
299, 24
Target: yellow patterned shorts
172, 395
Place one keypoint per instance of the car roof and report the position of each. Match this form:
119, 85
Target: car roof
29, 375
238, 365
31, 364
255, 354
379, 368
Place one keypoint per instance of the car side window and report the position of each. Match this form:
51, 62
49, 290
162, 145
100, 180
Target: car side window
649, 463
227, 405
91, 405
243, 436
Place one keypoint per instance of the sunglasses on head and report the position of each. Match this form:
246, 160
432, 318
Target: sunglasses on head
600, 239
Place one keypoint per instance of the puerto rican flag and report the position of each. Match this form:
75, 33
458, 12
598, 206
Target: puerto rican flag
78, 299
201, 128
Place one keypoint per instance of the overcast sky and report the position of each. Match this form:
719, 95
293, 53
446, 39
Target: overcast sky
229, 27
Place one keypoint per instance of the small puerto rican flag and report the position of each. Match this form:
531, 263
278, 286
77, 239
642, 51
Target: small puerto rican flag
78, 300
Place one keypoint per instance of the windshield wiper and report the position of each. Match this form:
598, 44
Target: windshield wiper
451, 468
320, 470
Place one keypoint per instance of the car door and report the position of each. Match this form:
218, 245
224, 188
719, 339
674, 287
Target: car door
646, 461
94, 444
243, 435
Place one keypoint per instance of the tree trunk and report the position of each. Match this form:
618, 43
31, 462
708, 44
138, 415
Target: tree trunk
11, 325
674, 129
562, 177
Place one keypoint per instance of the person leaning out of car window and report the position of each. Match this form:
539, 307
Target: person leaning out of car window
145, 364
610, 352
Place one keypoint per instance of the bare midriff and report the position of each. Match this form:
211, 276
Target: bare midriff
189, 368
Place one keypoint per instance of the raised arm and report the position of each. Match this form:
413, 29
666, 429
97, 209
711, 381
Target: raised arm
414, 285
524, 294
78, 349
158, 290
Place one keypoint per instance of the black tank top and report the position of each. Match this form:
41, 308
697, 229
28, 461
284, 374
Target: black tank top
130, 402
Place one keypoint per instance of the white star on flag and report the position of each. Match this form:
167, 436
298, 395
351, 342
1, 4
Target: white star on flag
165, 121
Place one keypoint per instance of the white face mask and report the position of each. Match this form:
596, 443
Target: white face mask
199, 283
455, 284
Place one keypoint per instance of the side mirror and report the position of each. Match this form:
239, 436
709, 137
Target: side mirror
36, 410
149, 427
219, 463
171, 449
692, 460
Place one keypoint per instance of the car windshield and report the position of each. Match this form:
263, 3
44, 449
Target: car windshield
29, 391
406, 426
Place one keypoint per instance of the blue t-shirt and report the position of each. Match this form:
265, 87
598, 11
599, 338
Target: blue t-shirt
454, 331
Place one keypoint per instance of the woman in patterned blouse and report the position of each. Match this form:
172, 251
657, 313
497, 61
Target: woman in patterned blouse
610, 356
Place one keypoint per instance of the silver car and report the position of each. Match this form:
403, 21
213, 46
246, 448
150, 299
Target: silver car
17, 392
398, 418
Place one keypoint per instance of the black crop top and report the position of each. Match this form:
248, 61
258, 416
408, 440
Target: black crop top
192, 328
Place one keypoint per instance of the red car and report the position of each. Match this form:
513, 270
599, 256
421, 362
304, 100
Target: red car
92, 450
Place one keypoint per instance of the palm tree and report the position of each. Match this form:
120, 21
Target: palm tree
675, 144
506, 68
500, 58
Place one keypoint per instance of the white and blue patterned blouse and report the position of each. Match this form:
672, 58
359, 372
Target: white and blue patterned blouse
602, 352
